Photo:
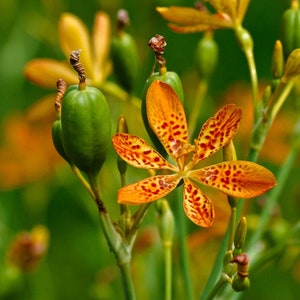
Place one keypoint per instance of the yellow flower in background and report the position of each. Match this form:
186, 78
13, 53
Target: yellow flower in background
229, 14
166, 116
73, 34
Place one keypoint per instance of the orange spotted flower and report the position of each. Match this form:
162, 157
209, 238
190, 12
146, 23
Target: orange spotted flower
228, 14
166, 116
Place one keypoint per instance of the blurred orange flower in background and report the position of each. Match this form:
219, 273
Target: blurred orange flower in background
229, 14
73, 34
27, 153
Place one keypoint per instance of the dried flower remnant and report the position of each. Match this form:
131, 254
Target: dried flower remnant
167, 119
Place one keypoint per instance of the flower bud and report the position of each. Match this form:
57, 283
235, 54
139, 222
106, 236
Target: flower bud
206, 55
277, 61
240, 284
240, 234
165, 222
292, 66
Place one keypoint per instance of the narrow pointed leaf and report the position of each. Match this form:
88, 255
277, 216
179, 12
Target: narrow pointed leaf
166, 117
217, 132
197, 206
148, 190
241, 179
136, 152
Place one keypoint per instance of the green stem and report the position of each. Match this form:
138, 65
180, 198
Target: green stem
118, 245
127, 280
137, 219
168, 271
82, 180
193, 118
183, 251
213, 281
254, 81
232, 224
273, 197
246, 43
218, 286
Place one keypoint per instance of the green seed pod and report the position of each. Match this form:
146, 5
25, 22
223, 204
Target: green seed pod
124, 55
206, 57
290, 29
58, 140
86, 128
174, 81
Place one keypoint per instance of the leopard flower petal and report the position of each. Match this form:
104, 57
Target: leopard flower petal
240, 179
168, 121
148, 190
136, 152
167, 118
197, 206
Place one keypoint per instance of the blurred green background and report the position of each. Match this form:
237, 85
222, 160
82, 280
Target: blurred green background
78, 264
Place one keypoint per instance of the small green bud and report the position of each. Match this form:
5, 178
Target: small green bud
165, 222
240, 284
240, 234
206, 57
277, 61
292, 66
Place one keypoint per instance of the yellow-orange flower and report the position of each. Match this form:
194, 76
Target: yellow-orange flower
166, 116
228, 14
73, 35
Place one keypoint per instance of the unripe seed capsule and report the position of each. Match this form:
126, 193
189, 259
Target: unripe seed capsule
124, 55
290, 29
206, 55
86, 125
158, 44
